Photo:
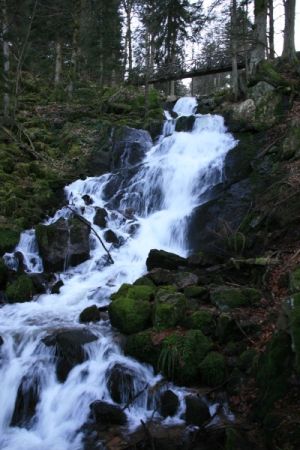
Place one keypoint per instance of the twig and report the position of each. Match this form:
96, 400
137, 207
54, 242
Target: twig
79, 217
135, 397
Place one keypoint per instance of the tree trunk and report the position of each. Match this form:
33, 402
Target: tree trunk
129, 41
6, 59
289, 51
58, 64
260, 23
75, 48
234, 71
271, 29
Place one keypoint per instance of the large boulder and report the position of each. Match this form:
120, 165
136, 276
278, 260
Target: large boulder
69, 349
185, 123
168, 403
26, 402
129, 146
130, 315
63, 243
90, 314
164, 260
21, 290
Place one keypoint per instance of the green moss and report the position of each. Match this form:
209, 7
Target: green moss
228, 298
138, 292
294, 317
144, 281
252, 295
295, 280
198, 292
247, 359
202, 320
130, 315
273, 371
169, 309
8, 239
226, 329
141, 347
212, 369
181, 355
21, 290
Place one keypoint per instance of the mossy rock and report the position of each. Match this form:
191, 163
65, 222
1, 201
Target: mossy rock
247, 359
8, 240
226, 298
21, 290
294, 283
130, 315
202, 320
294, 323
198, 292
226, 329
182, 354
3, 274
144, 281
169, 309
139, 292
273, 371
212, 369
141, 347
252, 295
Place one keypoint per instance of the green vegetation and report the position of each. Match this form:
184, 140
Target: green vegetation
169, 309
212, 369
21, 290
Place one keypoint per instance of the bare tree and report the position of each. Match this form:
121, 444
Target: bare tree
271, 29
260, 33
289, 51
234, 72
6, 58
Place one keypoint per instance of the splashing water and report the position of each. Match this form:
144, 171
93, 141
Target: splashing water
162, 192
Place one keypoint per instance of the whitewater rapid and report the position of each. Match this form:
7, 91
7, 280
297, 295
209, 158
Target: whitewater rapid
162, 192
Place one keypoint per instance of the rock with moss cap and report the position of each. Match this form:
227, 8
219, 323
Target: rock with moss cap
8, 239
227, 298
142, 346
169, 309
202, 320
138, 291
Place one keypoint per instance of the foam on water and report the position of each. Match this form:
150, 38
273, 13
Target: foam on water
163, 192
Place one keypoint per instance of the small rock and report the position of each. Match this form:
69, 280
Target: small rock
107, 414
111, 237
169, 404
185, 279
100, 218
90, 314
87, 199
185, 123
120, 384
165, 260
56, 287
197, 411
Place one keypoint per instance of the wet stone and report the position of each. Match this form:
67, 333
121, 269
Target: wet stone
87, 199
26, 402
56, 287
105, 414
100, 218
69, 349
90, 314
120, 384
168, 404
111, 237
197, 411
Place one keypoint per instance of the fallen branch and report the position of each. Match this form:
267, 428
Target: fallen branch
82, 219
134, 398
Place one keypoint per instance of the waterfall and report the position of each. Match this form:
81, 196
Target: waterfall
161, 193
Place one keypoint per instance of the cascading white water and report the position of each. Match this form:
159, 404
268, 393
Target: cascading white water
162, 193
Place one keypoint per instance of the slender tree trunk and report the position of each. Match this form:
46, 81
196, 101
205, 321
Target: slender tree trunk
129, 40
75, 48
22, 56
260, 23
234, 62
271, 29
58, 64
289, 51
6, 59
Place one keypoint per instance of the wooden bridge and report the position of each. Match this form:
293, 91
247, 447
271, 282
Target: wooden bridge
196, 67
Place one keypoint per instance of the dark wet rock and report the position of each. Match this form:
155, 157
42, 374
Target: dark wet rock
168, 403
64, 243
100, 218
185, 123
120, 384
229, 207
185, 279
20, 261
128, 213
56, 287
105, 414
103, 308
3, 298
87, 199
69, 349
1, 340
90, 314
40, 282
129, 146
165, 260
162, 276
133, 228
197, 411
26, 402
3, 274
111, 237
